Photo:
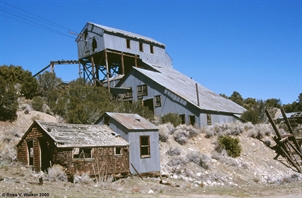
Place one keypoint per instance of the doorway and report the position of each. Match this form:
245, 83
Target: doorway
45, 154
149, 103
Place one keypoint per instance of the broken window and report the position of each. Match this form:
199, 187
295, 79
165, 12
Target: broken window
141, 47
30, 152
142, 90
182, 118
151, 49
94, 44
145, 146
192, 120
128, 44
209, 119
81, 153
117, 150
129, 94
157, 101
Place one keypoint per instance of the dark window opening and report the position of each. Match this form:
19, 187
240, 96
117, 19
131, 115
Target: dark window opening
157, 101
82, 153
142, 90
128, 43
209, 119
85, 34
94, 44
117, 150
192, 120
30, 151
149, 103
151, 49
107, 120
183, 118
141, 47
145, 146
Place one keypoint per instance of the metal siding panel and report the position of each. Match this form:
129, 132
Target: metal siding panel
146, 164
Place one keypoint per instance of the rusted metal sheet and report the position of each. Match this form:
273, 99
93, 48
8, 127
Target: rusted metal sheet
132, 121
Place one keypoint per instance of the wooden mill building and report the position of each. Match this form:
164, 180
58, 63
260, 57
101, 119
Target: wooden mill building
137, 68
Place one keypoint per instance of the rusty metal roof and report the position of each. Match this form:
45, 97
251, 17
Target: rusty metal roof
126, 33
132, 121
80, 135
178, 84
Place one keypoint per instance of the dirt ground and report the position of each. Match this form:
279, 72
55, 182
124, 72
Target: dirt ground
254, 174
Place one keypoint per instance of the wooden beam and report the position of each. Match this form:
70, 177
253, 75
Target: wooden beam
107, 70
122, 61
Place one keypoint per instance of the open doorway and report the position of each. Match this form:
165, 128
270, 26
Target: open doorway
149, 103
45, 154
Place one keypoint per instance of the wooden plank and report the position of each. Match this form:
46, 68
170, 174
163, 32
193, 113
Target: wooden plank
273, 124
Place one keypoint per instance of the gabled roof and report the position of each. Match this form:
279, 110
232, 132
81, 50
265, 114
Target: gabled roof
80, 135
126, 33
184, 87
132, 121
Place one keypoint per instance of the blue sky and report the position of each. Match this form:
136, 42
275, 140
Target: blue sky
253, 47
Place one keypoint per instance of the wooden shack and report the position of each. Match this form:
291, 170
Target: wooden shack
143, 137
95, 149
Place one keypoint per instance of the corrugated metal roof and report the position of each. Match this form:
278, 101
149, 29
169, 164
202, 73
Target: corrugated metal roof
80, 135
126, 33
132, 121
184, 87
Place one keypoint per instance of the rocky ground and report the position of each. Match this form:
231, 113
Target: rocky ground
190, 166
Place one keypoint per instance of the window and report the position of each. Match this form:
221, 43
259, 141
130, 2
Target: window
142, 90
209, 119
128, 43
183, 118
157, 101
192, 120
107, 120
81, 153
117, 151
129, 94
145, 146
141, 48
151, 49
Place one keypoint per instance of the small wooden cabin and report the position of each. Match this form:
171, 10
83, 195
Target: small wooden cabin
95, 149
142, 136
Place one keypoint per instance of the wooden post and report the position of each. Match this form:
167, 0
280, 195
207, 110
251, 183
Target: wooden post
122, 61
107, 70
93, 74
52, 67
135, 61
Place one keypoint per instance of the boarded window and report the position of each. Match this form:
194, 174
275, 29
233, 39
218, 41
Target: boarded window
128, 44
151, 49
209, 119
157, 101
118, 150
192, 120
182, 118
141, 47
142, 90
145, 146
81, 153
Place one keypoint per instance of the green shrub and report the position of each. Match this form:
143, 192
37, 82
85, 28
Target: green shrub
37, 103
172, 118
231, 145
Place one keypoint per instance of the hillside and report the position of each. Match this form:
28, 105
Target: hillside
191, 168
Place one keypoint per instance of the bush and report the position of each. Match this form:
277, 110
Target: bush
37, 103
231, 145
163, 132
172, 118
199, 159
183, 132
83, 178
56, 173
173, 152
